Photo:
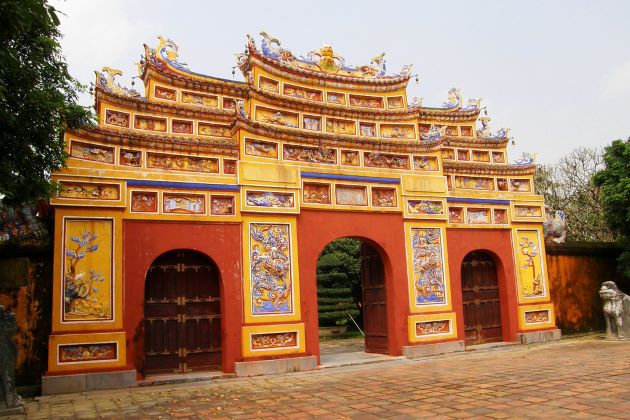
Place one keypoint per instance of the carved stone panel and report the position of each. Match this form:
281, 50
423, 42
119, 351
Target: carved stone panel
93, 152
309, 154
92, 352
144, 202
316, 193
274, 340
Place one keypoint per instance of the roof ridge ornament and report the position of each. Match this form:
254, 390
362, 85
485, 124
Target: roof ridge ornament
485, 131
454, 99
169, 52
526, 159
106, 80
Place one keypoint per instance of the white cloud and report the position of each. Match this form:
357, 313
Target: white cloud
618, 81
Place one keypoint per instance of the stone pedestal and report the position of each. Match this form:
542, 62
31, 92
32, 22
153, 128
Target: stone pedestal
539, 336
424, 350
80, 382
271, 367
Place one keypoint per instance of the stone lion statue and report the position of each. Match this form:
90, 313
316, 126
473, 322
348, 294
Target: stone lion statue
616, 310
8, 353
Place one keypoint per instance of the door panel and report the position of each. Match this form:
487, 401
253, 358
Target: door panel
182, 314
480, 296
374, 300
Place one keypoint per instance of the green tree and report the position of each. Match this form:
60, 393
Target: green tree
37, 100
614, 181
568, 185
338, 280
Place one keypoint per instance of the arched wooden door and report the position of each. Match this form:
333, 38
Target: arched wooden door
480, 295
182, 313
374, 300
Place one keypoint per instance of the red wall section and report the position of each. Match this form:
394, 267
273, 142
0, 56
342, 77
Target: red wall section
144, 241
498, 244
315, 229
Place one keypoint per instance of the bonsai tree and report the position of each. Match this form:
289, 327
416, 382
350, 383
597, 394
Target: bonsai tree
334, 292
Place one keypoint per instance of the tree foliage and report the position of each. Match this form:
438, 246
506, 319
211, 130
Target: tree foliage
37, 99
338, 282
568, 185
614, 181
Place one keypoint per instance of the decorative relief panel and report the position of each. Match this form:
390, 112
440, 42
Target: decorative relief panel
463, 155
455, 215
93, 152
165, 93
183, 203
87, 270
498, 157
261, 148
316, 193
466, 131
367, 129
520, 185
144, 202
385, 160
531, 276
502, 184
340, 126
312, 123
89, 191
428, 207
181, 127
478, 216
130, 158
383, 197
500, 216
428, 266
448, 154
351, 195
229, 103
93, 352
474, 183
275, 117
425, 163
274, 340
389, 131
366, 101
350, 158
479, 156
215, 130
270, 199
309, 154
222, 205
336, 98
395, 102
200, 99
269, 85
535, 317
528, 211
439, 327
302, 93
270, 265
150, 123
182, 163
229, 166
117, 118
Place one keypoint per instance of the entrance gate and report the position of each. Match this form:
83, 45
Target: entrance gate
374, 302
480, 295
182, 314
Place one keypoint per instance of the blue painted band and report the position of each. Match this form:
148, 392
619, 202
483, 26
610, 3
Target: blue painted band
317, 175
182, 185
477, 201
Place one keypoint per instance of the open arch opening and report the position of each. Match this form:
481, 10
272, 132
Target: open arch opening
351, 293
182, 314
480, 298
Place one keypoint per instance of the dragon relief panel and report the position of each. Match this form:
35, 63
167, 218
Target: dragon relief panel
214, 130
531, 276
275, 117
270, 266
389, 131
535, 317
261, 148
165, 93
274, 340
427, 207
428, 266
150, 123
89, 191
182, 163
474, 183
425, 163
425, 328
117, 118
302, 93
200, 99
87, 270
97, 352
269, 199
309, 154
366, 101
93, 152
385, 160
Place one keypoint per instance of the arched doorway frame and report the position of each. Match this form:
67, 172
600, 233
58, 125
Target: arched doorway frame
498, 245
203, 259
385, 233
145, 241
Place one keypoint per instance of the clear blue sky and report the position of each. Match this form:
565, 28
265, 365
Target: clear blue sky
556, 72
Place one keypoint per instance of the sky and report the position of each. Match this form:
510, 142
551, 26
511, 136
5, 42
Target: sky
557, 73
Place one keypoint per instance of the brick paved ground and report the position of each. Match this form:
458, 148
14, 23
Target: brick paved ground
583, 377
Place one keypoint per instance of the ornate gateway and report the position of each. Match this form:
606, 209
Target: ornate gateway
190, 219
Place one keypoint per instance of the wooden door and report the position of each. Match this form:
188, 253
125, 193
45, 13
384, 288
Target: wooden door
182, 313
480, 293
374, 303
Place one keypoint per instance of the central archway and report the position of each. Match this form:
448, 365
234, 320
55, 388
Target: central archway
182, 314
